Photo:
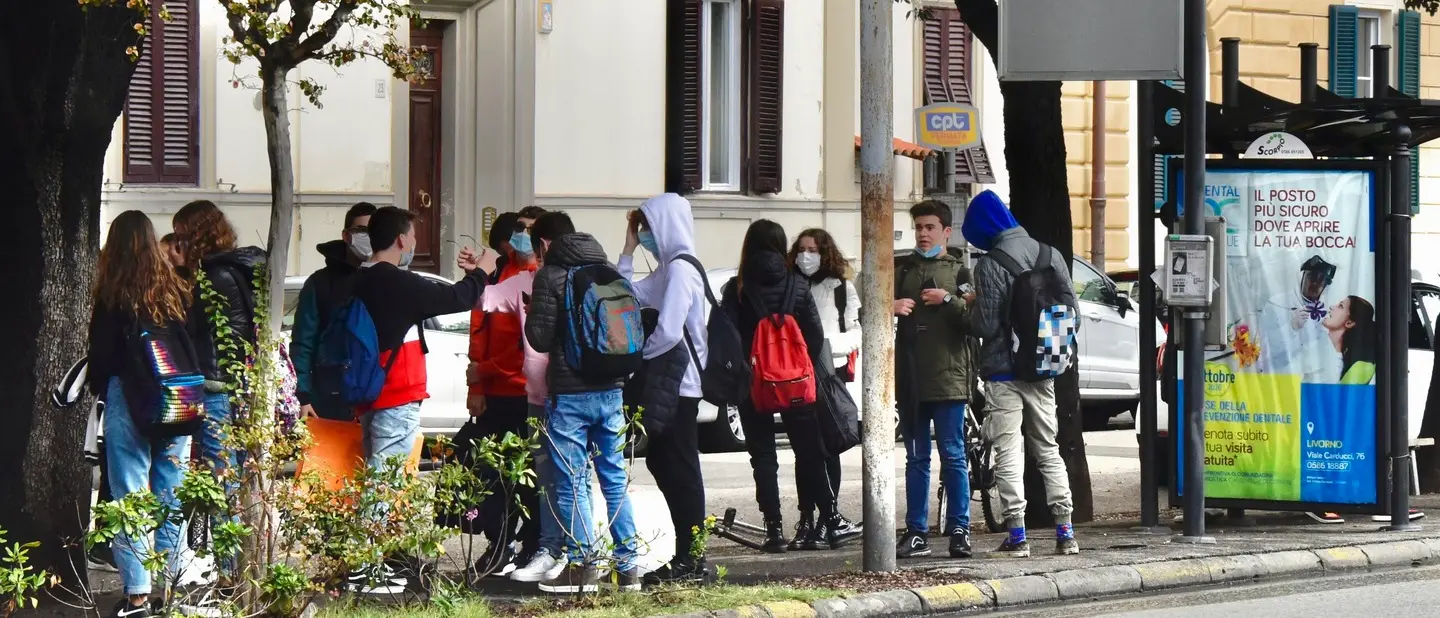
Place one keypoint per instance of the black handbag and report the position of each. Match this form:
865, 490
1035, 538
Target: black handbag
839, 417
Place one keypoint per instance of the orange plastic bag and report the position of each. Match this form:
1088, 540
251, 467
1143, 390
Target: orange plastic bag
337, 451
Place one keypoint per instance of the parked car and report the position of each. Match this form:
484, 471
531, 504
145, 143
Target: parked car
1424, 323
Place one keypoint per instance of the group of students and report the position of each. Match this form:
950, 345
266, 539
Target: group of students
562, 335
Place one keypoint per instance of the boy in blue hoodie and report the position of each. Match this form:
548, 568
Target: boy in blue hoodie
1012, 403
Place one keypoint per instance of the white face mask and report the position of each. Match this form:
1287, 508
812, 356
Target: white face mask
360, 246
808, 263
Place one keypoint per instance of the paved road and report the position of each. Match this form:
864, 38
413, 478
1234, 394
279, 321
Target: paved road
1395, 593
1113, 458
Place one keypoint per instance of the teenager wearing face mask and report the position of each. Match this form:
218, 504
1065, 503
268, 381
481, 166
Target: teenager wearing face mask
496, 398
816, 257
323, 291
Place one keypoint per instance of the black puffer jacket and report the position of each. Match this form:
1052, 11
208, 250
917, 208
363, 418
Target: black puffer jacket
232, 276
545, 325
767, 275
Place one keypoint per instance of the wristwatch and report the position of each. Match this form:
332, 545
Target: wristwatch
949, 297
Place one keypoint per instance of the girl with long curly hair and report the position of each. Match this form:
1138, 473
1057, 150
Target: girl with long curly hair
205, 242
815, 255
135, 284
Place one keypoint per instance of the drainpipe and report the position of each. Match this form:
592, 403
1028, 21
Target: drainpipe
1097, 176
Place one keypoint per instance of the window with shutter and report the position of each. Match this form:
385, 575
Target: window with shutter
724, 105
161, 107
1407, 30
1344, 49
766, 88
948, 80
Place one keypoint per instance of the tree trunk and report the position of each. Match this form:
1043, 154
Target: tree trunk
63, 78
1040, 201
282, 184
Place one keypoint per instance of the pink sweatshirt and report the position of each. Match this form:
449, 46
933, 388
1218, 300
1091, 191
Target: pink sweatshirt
513, 296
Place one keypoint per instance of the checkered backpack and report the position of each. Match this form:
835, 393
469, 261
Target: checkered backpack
1042, 324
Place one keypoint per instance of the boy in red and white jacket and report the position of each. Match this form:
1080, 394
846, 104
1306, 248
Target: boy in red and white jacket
398, 302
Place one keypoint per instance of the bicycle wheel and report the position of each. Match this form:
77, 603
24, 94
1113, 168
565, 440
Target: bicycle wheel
982, 473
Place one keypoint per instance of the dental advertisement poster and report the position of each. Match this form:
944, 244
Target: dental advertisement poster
1290, 404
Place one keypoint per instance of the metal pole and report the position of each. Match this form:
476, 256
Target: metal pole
1097, 175
1230, 72
1145, 213
1194, 321
1380, 75
947, 159
1399, 368
1309, 63
877, 251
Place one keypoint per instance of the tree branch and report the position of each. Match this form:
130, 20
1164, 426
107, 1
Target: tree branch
242, 31
983, 17
299, 23
327, 32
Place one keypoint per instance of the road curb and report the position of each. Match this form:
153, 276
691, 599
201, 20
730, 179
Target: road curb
1094, 582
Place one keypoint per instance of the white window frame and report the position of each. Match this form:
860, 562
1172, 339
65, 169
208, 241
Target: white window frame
733, 100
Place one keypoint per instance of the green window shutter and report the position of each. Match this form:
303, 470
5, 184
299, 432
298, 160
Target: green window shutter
1407, 36
1344, 49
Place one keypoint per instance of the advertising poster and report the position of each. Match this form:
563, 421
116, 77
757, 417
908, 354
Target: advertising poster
1290, 405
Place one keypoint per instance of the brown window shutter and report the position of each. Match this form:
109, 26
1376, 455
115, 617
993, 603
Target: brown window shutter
765, 90
948, 79
683, 96
162, 109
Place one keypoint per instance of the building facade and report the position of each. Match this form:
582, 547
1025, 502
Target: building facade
589, 106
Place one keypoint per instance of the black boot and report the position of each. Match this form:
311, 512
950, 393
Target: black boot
775, 542
802, 531
837, 534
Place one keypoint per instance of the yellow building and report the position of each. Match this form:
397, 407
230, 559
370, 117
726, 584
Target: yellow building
1270, 32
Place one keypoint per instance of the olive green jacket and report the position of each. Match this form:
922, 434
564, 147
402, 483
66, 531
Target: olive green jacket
935, 354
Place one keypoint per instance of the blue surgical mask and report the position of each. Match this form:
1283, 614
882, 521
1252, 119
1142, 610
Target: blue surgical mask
931, 253
647, 240
406, 258
520, 242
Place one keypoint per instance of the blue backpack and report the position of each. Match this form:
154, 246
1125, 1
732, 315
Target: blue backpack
605, 333
348, 370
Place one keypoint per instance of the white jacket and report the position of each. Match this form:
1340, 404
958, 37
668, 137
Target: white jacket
841, 344
678, 284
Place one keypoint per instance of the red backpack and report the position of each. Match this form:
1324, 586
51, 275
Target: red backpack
784, 376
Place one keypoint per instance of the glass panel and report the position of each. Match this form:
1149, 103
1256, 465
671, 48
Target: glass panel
1088, 284
721, 72
292, 298
1431, 302
458, 323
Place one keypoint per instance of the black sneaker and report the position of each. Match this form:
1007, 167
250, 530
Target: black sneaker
680, 572
912, 545
1066, 546
124, 609
839, 532
803, 530
960, 543
376, 581
575, 579
1012, 548
775, 542
497, 561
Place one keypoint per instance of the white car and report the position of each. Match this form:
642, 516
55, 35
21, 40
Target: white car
1424, 322
448, 338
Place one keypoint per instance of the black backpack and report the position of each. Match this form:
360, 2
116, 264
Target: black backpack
166, 396
725, 376
1042, 324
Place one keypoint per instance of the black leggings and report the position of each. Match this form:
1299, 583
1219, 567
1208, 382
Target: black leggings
811, 476
674, 461
832, 471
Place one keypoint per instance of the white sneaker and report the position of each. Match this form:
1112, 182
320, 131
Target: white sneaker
376, 581
543, 567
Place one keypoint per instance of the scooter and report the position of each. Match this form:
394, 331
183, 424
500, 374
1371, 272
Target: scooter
752, 536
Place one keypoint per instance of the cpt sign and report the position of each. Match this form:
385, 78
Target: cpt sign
947, 126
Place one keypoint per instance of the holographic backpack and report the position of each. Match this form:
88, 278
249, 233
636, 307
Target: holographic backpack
166, 395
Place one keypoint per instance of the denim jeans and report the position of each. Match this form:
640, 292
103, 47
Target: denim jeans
139, 463
582, 425
551, 538
949, 419
217, 455
390, 433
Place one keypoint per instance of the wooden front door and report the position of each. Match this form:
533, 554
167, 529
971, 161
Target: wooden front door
425, 145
